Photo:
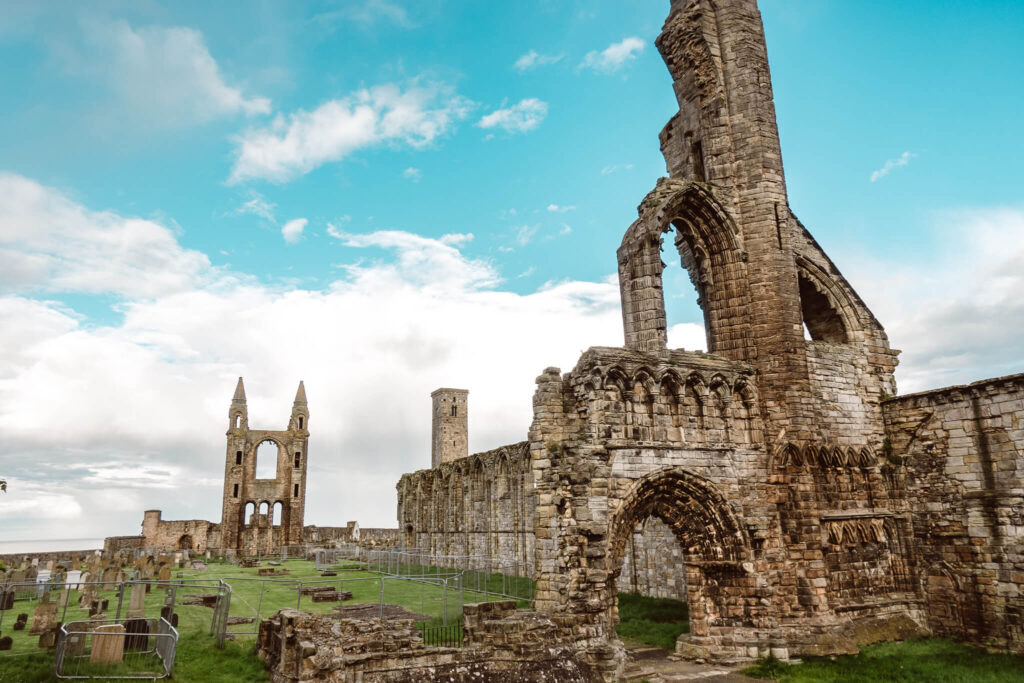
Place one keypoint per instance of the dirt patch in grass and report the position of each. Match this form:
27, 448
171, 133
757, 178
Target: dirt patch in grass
368, 611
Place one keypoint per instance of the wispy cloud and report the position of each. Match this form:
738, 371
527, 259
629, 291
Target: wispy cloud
413, 174
612, 168
302, 141
613, 57
257, 205
525, 233
555, 208
366, 13
292, 230
162, 75
891, 164
522, 117
533, 59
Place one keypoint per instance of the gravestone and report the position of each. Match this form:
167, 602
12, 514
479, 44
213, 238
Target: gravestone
18, 576
76, 563
75, 644
48, 638
88, 596
108, 644
49, 565
137, 602
165, 573
138, 634
73, 578
109, 578
6, 642
19, 624
7, 599
45, 616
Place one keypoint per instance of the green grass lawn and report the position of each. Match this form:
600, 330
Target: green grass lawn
653, 621
932, 660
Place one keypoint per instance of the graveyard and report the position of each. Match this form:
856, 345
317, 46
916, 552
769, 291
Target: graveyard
189, 596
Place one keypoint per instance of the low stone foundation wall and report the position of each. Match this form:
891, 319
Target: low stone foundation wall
500, 644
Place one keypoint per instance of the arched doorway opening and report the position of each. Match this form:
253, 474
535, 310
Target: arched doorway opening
185, 542
704, 542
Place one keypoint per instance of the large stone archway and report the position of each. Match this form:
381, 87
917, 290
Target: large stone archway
716, 551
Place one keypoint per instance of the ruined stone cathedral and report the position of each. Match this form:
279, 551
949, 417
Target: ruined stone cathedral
811, 507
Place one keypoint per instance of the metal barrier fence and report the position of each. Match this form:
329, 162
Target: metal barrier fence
31, 613
116, 649
486, 575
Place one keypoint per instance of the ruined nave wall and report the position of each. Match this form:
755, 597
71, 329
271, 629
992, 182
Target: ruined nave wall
958, 453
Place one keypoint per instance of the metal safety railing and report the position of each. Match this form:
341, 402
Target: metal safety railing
137, 648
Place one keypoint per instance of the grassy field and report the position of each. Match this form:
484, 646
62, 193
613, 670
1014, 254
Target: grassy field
919, 661
253, 597
652, 621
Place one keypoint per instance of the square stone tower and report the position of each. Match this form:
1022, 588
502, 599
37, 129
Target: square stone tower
450, 425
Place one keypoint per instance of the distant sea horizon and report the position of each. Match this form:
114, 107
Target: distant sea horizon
50, 545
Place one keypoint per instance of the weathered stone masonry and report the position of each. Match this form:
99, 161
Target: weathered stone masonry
812, 510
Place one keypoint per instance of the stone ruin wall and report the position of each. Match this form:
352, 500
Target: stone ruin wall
479, 505
499, 644
958, 457
653, 565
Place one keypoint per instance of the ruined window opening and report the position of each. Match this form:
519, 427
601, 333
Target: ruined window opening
296, 494
250, 512
238, 420
684, 278
277, 509
300, 422
235, 495
238, 457
821, 320
455, 410
697, 157
266, 460
298, 459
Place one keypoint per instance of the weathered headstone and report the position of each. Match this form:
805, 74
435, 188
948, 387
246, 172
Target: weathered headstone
49, 565
88, 596
108, 644
22, 620
45, 616
48, 638
6, 643
165, 573
138, 634
73, 578
76, 563
7, 599
137, 602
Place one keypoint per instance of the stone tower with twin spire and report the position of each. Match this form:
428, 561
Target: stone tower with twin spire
248, 520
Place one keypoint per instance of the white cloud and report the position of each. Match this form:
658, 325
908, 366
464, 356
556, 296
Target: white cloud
117, 419
413, 174
533, 59
887, 168
50, 243
613, 57
555, 208
958, 314
292, 230
566, 229
303, 141
165, 75
519, 118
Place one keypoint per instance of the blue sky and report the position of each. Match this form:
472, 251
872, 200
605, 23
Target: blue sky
382, 197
